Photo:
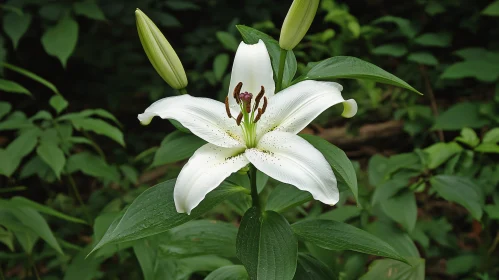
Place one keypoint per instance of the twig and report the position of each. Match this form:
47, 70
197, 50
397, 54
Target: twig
433, 101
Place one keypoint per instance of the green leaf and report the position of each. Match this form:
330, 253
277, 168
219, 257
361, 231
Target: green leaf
398, 239
460, 190
100, 127
434, 40
481, 69
266, 245
22, 201
402, 209
311, 268
52, 155
342, 213
26, 237
90, 112
405, 26
7, 238
460, 115
334, 235
13, 87
93, 166
4, 109
468, 137
345, 67
58, 103
154, 212
31, 75
492, 136
425, 58
487, 148
228, 40
387, 189
492, 211
220, 65
175, 147
89, 9
396, 50
60, 40
285, 196
440, 152
393, 270
341, 165
462, 264
492, 9
230, 272
15, 25
17, 150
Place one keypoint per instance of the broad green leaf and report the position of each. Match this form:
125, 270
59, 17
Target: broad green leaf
100, 127
398, 239
228, 40
434, 40
492, 136
393, 270
31, 75
89, 9
487, 148
154, 212
396, 50
309, 268
13, 87
460, 115
468, 137
92, 165
15, 25
462, 264
52, 11
492, 9
26, 237
492, 211
4, 109
60, 40
439, 153
425, 58
345, 67
230, 272
22, 201
90, 112
52, 155
482, 69
405, 26
7, 238
460, 190
251, 36
58, 103
220, 65
266, 245
175, 147
153, 267
17, 150
387, 189
341, 165
41, 115
338, 236
402, 209
82, 268
376, 169
342, 213
285, 196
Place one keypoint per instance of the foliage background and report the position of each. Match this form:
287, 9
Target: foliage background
415, 145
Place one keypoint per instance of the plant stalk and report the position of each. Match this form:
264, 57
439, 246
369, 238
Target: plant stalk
280, 75
254, 191
80, 200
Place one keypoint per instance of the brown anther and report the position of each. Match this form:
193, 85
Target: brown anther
237, 91
258, 115
227, 108
239, 119
248, 106
264, 107
259, 97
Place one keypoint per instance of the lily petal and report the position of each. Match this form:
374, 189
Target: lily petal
296, 106
204, 117
204, 171
252, 67
291, 159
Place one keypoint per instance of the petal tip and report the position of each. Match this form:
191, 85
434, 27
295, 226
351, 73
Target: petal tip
349, 108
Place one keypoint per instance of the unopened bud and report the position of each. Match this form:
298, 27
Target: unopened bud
160, 52
297, 22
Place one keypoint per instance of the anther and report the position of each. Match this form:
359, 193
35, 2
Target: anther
227, 109
248, 106
239, 119
259, 96
264, 107
237, 92
258, 115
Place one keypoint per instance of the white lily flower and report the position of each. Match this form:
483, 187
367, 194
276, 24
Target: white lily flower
253, 126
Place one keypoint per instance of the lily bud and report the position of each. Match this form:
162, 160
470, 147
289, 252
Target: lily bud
160, 52
297, 22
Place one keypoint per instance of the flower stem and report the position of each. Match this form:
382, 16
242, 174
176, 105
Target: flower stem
254, 192
280, 75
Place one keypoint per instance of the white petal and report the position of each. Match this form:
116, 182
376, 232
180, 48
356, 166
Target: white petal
291, 159
252, 67
349, 108
296, 106
204, 117
204, 171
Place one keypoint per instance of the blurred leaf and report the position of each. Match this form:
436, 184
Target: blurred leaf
339, 67
492, 211
58, 103
89, 9
7, 238
434, 40
17, 150
266, 245
10, 86
130, 173
387, 189
468, 137
32, 76
60, 40
439, 153
80, 264
434, 7
425, 58
392, 234
460, 190
309, 268
396, 50
52, 11
16, 25
25, 235
481, 69
4, 109
220, 65
338, 160
402, 209
164, 19
462, 264
175, 147
487, 148
100, 127
230, 272
90, 112
342, 213
228, 40
492, 136
404, 25
393, 270
52, 155
154, 212
179, 5
285, 196
92, 165
492, 9
460, 115
41, 115
377, 169
22, 201
338, 236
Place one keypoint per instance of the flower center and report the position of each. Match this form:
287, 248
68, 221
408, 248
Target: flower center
249, 113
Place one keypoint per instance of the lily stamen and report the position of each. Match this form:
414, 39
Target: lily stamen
227, 108
260, 113
239, 119
237, 92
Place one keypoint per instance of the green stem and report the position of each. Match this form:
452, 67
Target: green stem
34, 267
280, 74
182, 91
78, 197
254, 191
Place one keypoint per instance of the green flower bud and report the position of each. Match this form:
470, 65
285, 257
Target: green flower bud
297, 22
160, 52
